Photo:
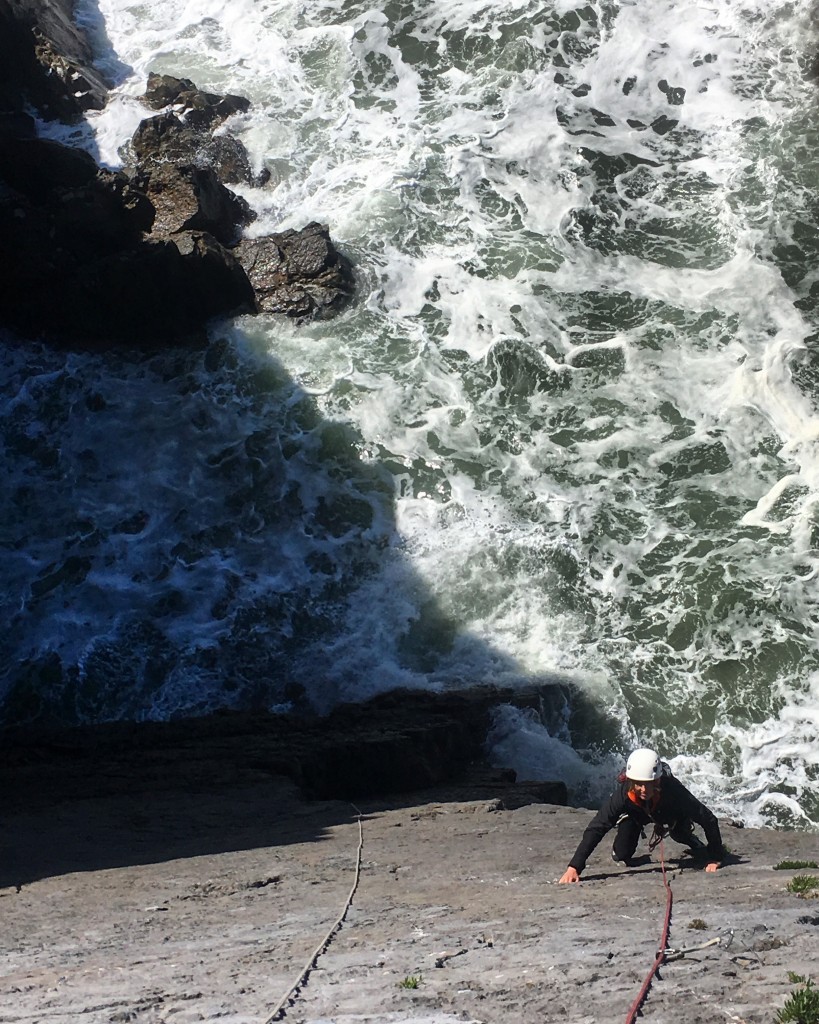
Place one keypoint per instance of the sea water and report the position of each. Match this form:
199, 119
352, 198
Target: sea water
566, 433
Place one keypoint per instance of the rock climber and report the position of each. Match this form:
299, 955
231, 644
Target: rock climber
648, 794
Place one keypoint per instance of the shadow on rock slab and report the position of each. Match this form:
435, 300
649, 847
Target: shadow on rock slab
127, 793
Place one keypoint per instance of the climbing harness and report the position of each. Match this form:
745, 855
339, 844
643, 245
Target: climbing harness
279, 1010
660, 958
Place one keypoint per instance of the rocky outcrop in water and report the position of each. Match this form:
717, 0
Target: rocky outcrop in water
150, 254
181, 167
298, 273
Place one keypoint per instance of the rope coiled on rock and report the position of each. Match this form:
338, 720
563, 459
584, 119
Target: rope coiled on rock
279, 1010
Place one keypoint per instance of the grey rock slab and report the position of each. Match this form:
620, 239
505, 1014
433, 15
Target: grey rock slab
460, 894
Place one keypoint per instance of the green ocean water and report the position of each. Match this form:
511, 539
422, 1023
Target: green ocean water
566, 433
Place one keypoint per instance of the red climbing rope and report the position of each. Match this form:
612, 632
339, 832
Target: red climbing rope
660, 958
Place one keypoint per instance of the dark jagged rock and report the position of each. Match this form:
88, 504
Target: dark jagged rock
197, 108
162, 138
298, 273
188, 198
39, 168
77, 263
166, 139
228, 158
99, 257
82, 209
184, 134
45, 60
176, 286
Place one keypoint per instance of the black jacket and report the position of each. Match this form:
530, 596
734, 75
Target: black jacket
675, 806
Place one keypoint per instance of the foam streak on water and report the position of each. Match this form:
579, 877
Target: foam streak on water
569, 430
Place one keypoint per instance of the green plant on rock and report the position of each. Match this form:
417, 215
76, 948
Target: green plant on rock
794, 865
801, 1006
697, 924
411, 981
803, 885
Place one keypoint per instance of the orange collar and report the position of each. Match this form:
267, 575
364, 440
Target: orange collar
655, 799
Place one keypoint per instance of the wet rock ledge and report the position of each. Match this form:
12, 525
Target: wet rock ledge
397, 742
151, 253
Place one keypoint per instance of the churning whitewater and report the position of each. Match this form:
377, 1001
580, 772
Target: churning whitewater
568, 431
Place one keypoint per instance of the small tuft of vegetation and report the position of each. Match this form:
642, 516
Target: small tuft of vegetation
803, 885
795, 865
411, 981
801, 1006
698, 924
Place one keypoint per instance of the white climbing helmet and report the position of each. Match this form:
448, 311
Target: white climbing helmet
643, 765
